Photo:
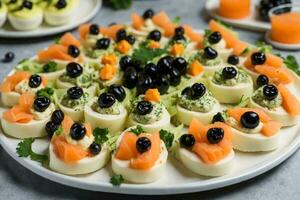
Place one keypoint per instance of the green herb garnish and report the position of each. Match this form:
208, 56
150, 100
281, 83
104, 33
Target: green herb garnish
291, 63
177, 20
145, 54
101, 135
120, 4
117, 179
167, 137
50, 67
138, 130
57, 40
24, 149
46, 92
263, 46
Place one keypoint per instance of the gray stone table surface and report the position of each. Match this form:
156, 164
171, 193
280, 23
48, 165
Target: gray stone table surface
16, 182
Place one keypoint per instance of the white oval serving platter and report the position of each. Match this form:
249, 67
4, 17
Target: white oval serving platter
88, 9
250, 23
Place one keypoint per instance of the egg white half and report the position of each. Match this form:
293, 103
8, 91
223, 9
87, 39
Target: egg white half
3, 16
10, 99
26, 24
59, 18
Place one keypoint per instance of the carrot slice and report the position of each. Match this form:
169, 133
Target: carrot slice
68, 39
279, 75
10, 82
195, 68
127, 147
236, 113
107, 72
289, 101
137, 21
161, 18
195, 37
66, 124
273, 60
270, 128
84, 30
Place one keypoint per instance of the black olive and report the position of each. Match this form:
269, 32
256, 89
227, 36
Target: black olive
179, 31
178, 38
229, 72
50, 128
41, 103
75, 92
103, 43
262, 80
77, 131
130, 39
187, 140
144, 107
250, 120
233, 60
106, 100
162, 83
57, 117
137, 64
174, 77
130, 77
258, 58
270, 92
60, 4
125, 62
165, 64
215, 135
215, 37
95, 148
218, 118
199, 90
154, 35
210, 53
151, 69
94, 29
8, 57
118, 91
188, 91
180, 64
35, 81
121, 35
143, 144
27, 4
148, 14
144, 83
73, 51
12, 1
74, 69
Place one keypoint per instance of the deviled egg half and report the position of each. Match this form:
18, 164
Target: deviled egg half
28, 118
74, 150
3, 13
207, 150
253, 130
196, 102
230, 84
28, 17
18, 83
60, 12
73, 101
107, 111
139, 157
269, 98
149, 113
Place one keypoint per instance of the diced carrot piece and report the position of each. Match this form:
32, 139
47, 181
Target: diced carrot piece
109, 59
123, 47
107, 72
195, 68
279, 75
289, 101
137, 21
273, 60
270, 128
68, 39
177, 49
127, 148
154, 44
152, 95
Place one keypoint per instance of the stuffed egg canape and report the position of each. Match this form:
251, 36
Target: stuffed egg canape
18, 83
60, 12
230, 84
28, 17
3, 13
207, 149
277, 101
73, 101
149, 112
139, 157
73, 149
253, 130
196, 102
28, 118
107, 111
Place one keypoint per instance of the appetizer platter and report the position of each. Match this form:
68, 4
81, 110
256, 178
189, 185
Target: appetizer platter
248, 14
32, 18
154, 107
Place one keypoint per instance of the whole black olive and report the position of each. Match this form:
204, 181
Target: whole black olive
125, 62
215, 135
229, 72
130, 77
130, 39
77, 131
121, 35
106, 100
174, 77
118, 91
144, 107
218, 118
180, 64
75, 92
188, 91
233, 60
215, 37
179, 30
162, 83
262, 80
50, 128
35, 81
152, 70
258, 58
250, 120
41, 103
60, 4
8, 57
143, 144
199, 90
103, 43
95, 148
165, 64
270, 92
210, 53
148, 14
145, 82
27, 4
57, 117
74, 69
154, 35
73, 51
187, 140
94, 29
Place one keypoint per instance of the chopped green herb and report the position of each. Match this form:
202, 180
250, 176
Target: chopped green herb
120, 4
59, 131
263, 46
177, 20
243, 101
46, 92
223, 23
57, 40
23, 60
117, 179
247, 50
101, 135
167, 137
291, 62
138, 130
50, 67
24, 149
207, 32
145, 54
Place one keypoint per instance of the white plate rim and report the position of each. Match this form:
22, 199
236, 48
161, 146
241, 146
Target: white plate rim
260, 26
54, 30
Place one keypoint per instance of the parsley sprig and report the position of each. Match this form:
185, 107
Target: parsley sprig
101, 135
117, 179
291, 63
167, 137
138, 130
24, 149
145, 54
